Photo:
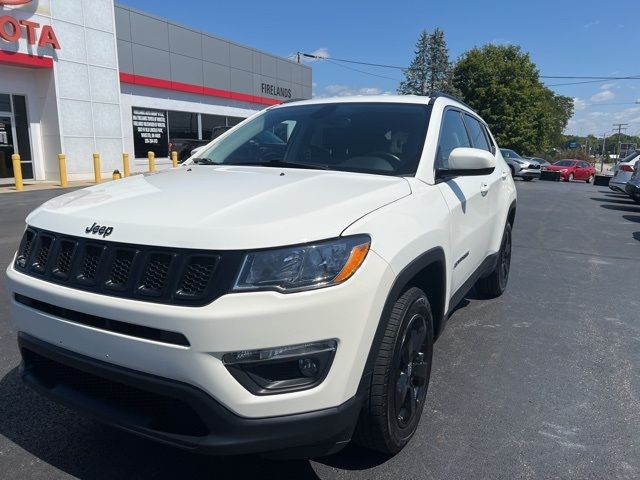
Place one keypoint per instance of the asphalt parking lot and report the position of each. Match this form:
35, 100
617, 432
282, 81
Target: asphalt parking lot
543, 382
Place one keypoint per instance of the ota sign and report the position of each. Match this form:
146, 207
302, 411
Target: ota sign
11, 30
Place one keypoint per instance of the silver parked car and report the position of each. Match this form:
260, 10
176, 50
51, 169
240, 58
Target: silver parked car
623, 171
520, 166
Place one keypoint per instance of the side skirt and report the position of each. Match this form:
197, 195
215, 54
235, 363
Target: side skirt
485, 268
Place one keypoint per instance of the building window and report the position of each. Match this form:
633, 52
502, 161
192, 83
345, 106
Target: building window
183, 125
211, 125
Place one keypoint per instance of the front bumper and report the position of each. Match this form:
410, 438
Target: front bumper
173, 412
632, 189
619, 181
528, 173
348, 312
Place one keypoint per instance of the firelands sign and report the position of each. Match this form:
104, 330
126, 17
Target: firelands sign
12, 30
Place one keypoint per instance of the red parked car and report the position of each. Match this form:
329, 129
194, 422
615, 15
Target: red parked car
573, 170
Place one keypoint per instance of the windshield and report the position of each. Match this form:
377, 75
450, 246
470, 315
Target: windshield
506, 153
564, 163
382, 138
630, 157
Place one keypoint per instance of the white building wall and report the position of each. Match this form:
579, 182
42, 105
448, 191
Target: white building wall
87, 83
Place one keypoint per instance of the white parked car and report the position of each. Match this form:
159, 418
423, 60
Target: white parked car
269, 294
623, 172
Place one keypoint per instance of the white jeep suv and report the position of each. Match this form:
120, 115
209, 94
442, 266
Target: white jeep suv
282, 291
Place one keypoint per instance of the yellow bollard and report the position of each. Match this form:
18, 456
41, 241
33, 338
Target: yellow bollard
174, 159
125, 164
116, 175
17, 171
62, 165
152, 161
96, 167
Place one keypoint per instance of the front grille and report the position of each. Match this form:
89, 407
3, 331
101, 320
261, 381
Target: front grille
534, 166
155, 274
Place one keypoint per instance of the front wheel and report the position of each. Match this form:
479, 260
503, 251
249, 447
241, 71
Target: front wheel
494, 284
570, 177
400, 378
590, 179
527, 179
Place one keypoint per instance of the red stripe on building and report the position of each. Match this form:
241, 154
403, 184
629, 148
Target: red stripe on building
24, 60
191, 88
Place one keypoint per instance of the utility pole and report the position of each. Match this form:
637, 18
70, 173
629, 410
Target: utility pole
620, 127
604, 150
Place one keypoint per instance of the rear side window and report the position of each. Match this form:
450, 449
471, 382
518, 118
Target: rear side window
476, 131
453, 134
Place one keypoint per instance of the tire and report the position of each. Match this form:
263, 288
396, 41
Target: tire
494, 284
393, 407
570, 177
527, 179
513, 172
590, 179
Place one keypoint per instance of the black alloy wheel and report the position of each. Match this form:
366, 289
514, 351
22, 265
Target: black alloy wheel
412, 372
398, 387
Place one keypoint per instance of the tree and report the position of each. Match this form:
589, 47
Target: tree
502, 84
430, 71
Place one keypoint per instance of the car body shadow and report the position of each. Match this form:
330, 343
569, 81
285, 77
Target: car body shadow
636, 235
87, 449
621, 201
622, 208
632, 218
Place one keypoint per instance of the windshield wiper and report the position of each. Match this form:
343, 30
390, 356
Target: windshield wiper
283, 164
204, 161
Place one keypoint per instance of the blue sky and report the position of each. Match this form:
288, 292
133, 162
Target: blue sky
564, 37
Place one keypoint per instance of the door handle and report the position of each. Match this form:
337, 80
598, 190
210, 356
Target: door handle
484, 189
504, 175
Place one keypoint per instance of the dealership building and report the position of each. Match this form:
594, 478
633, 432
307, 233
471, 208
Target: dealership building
85, 76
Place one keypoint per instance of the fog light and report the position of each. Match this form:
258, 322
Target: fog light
281, 369
308, 367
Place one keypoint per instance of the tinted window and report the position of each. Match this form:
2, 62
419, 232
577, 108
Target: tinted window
211, 122
183, 125
476, 131
452, 135
384, 138
564, 163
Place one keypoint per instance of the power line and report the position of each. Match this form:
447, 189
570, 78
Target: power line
592, 79
362, 71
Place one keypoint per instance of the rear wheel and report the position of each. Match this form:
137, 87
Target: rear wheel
402, 368
494, 284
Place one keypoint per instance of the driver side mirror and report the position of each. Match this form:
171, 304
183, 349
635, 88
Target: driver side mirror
467, 162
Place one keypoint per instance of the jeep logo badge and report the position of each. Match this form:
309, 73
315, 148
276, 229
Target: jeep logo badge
96, 229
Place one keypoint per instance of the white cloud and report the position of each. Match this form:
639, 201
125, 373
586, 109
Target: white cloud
337, 90
579, 104
501, 41
608, 86
603, 96
597, 123
587, 26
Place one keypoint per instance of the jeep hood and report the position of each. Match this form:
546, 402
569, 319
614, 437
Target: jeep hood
221, 208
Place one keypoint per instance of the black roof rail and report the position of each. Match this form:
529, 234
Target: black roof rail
435, 95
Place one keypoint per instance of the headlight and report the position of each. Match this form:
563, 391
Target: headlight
303, 267
564, 170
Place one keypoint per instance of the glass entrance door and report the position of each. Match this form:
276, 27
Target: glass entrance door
7, 147
14, 135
